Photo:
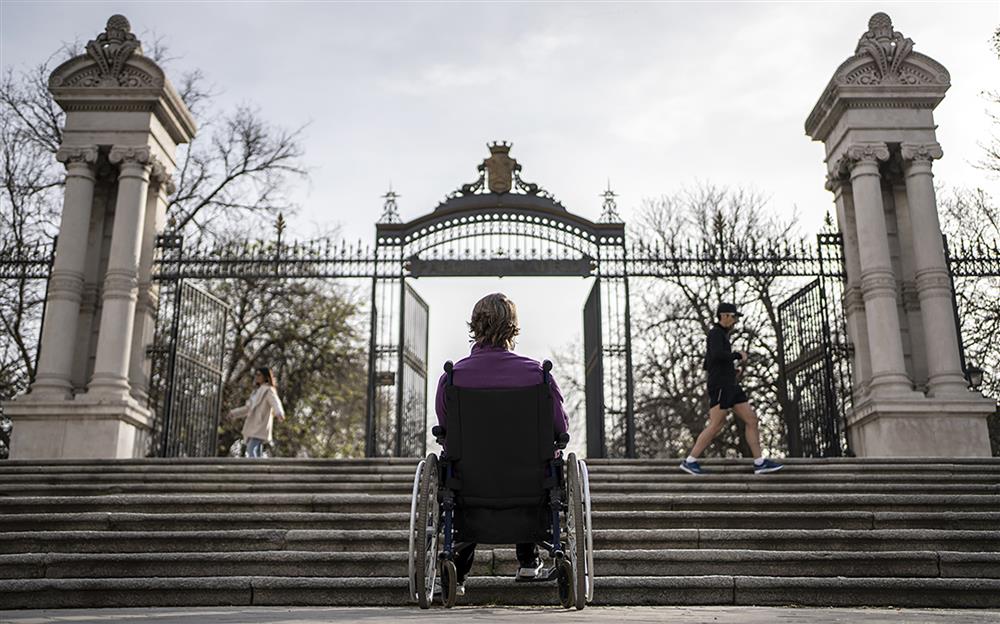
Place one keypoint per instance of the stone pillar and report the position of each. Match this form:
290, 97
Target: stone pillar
55, 360
854, 304
931, 271
88, 400
114, 342
878, 283
881, 97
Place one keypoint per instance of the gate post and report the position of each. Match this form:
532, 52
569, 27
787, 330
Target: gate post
124, 121
876, 120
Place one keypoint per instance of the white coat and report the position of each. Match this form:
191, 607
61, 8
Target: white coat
259, 412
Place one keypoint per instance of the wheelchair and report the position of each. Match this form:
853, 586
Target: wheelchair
501, 479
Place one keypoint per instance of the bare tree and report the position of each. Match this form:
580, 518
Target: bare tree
235, 171
674, 314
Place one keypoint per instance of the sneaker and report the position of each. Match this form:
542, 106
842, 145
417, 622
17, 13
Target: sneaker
691, 468
767, 466
527, 573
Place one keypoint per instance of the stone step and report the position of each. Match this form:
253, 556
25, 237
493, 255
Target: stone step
365, 540
798, 502
166, 521
794, 520
194, 521
503, 562
403, 474
610, 590
597, 466
405, 487
366, 503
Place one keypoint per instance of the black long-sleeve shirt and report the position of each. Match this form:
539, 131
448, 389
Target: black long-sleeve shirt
719, 358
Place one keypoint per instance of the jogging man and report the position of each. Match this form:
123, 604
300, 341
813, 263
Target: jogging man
725, 394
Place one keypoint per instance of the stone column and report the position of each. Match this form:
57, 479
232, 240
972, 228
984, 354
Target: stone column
55, 360
854, 304
878, 282
114, 340
145, 310
944, 366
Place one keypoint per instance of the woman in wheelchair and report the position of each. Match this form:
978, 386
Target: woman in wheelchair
501, 477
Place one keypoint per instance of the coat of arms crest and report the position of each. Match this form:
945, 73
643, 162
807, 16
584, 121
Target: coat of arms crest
500, 168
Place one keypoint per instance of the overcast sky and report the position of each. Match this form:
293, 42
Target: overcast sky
653, 96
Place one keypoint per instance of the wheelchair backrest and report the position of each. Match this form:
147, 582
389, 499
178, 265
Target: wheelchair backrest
501, 441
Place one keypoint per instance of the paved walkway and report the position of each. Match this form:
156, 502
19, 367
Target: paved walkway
616, 615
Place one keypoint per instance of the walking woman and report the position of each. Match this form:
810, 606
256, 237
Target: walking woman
259, 412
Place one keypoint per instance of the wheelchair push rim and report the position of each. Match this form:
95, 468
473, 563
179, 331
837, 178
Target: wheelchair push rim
411, 564
425, 534
576, 530
585, 473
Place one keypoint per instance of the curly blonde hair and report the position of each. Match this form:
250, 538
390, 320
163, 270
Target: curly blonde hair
494, 321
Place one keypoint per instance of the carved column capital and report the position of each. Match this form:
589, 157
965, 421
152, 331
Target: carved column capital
131, 155
866, 153
861, 159
921, 152
162, 178
835, 181
86, 154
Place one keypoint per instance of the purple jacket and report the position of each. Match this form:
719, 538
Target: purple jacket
496, 367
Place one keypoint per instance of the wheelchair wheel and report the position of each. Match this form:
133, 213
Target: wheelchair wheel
425, 533
585, 473
564, 579
449, 582
576, 530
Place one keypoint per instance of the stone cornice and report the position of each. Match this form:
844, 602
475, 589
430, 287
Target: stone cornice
884, 72
114, 76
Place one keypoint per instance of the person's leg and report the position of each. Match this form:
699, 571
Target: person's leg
745, 413
716, 420
529, 564
465, 554
527, 554
253, 447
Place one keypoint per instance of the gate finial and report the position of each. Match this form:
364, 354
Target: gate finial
390, 211
610, 213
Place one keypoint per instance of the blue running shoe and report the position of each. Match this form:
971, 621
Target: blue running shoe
691, 468
767, 466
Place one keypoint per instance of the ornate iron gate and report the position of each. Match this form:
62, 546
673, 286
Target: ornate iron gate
593, 373
187, 378
813, 407
411, 432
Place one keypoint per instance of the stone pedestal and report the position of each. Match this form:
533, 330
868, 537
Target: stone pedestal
921, 427
123, 124
876, 120
79, 429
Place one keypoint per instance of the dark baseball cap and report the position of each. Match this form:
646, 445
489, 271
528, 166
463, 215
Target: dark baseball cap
727, 308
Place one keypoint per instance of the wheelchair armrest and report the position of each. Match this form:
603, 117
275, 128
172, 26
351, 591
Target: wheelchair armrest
440, 433
562, 440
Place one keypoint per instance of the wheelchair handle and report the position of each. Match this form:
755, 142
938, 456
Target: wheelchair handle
449, 369
562, 440
439, 433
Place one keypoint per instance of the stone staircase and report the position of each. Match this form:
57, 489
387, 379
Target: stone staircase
321, 532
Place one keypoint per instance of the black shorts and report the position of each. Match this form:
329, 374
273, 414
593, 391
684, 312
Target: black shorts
726, 396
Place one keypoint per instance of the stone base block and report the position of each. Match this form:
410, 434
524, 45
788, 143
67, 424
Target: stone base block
924, 427
80, 428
